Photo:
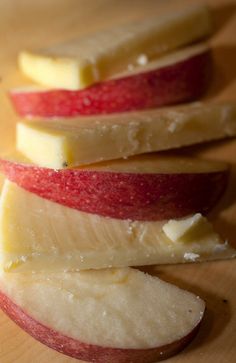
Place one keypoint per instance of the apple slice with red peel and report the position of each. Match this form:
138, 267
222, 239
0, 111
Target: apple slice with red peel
145, 187
180, 77
107, 316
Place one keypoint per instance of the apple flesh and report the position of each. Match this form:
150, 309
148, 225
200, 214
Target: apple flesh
180, 77
145, 187
107, 316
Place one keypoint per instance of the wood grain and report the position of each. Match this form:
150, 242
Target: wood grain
26, 23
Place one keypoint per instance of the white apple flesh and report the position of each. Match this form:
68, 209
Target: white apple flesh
106, 316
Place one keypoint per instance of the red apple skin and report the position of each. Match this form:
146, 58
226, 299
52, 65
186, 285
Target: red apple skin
89, 352
120, 195
184, 81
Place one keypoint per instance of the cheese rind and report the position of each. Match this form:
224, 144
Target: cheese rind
84, 140
40, 235
81, 62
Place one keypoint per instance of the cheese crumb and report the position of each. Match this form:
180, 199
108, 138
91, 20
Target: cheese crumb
142, 60
190, 256
221, 247
178, 230
130, 67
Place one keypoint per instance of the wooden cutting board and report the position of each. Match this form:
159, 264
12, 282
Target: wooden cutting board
26, 23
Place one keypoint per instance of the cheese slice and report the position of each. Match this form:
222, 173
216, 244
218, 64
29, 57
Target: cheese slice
81, 62
40, 235
59, 143
164, 61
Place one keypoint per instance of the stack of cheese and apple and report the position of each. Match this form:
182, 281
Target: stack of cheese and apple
92, 192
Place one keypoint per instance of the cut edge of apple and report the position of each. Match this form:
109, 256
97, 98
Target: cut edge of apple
24, 316
62, 344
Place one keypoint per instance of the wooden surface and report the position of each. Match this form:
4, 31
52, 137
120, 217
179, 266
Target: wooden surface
25, 23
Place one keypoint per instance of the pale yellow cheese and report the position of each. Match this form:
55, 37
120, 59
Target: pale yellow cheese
166, 60
92, 58
70, 142
188, 229
37, 234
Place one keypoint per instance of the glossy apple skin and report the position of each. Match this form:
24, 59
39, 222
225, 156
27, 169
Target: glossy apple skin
120, 195
89, 352
184, 81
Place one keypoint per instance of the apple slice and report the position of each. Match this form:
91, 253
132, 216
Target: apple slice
145, 187
57, 143
92, 58
107, 316
40, 235
181, 76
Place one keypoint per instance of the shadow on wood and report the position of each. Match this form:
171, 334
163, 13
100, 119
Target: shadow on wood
222, 15
224, 69
218, 310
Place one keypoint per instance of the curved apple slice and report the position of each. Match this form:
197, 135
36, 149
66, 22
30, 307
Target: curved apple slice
117, 316
146, 187
180, 77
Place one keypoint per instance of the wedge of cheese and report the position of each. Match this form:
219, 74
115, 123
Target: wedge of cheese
40, 235
81, 62
60, 143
